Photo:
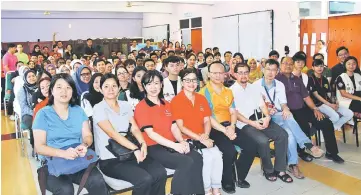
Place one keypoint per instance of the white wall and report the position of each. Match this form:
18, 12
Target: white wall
26, 26
286, 15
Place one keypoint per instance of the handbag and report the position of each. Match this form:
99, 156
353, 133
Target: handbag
196, 145
121, 152
60, 166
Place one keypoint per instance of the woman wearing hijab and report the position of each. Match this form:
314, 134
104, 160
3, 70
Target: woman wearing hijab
254, 73
36, 51
51, 68
64, 69
25, 101
82, 79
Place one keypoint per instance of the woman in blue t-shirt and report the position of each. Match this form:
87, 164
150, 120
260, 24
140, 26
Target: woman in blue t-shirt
62, 123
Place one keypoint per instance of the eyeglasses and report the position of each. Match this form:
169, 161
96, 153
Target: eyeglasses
85, 74
217, 73
243, 73
190, 80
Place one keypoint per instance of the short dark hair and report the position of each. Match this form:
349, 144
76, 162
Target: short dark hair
133, 87
149, 77
340, 49
89, 39
272, 62
35, 54
153, 54
207, 49
171, 59
148, 60
226, 53
318, 54
200, 53
45, 47
108, 76
216, 62
323, 42
207, 55
95, 63
241, 65
171, 51
11, 45
317, 62
18, 62
299, 57
142, 55
217, 54
190, 55
351, 58
274, 52
54, 46
186, 72
215, 48
129, 62
147, 40
74, 97
163, 54
238, 54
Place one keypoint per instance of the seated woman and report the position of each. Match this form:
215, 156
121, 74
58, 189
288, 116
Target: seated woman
82, 79
13, 76
154, 117
348, 86
62, 123
196, 128
64, 69
136, 91
41, 102
230, 78
191, 64
254, 73
123, 77
51, 68
111, 121
24, 96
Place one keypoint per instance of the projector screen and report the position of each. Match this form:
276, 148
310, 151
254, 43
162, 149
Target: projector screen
158, 33
248, 33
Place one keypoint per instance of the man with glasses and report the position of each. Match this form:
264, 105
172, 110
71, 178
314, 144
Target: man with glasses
224, 131
172, 85
342, 53
259, 127
297, 98
274, 94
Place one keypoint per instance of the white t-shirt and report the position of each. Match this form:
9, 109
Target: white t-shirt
119, 121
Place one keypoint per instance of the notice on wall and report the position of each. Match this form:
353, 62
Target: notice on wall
305, 49
313, 50
313, 39
305, 39
323, 37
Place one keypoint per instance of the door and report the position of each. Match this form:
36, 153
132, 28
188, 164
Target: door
196, 40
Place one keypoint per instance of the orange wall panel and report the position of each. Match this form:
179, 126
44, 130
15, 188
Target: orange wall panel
196, 40
344, 31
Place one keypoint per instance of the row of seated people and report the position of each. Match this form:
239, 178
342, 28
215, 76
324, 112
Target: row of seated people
30, 80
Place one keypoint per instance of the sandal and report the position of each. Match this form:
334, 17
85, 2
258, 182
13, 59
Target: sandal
295, 171
315, 152
215, 193
269, 176
285, 177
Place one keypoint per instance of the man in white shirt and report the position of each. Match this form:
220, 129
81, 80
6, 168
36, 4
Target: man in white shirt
274, 94
260, 128
172, 84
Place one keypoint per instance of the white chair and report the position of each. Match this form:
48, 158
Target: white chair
19, 130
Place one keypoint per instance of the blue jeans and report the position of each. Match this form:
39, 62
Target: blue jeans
336, 119
295, 136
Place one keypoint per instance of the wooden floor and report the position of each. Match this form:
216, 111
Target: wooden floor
17, 177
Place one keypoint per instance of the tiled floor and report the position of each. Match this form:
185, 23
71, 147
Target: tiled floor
323, 177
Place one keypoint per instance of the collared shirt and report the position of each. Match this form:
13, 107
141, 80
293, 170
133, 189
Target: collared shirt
295, 91
119, 121
320, 85
276, 93
10, 60
23, 57
89, 50
148, 49
220, 104
159, 117
192, 115
248, 100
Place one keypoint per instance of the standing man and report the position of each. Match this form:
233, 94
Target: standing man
133, 46
224, 131
274, 55
172, 85
297, 99
189, 49
89, 50
148, 48
10, 59
21, 55
227, 59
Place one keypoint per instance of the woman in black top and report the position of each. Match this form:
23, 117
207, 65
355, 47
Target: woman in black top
36, 50
68, 53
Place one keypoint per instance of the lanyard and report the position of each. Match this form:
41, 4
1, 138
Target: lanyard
269, 97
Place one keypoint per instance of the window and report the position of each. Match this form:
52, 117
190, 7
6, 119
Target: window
339, 7
196, 22
184, 23
310, 8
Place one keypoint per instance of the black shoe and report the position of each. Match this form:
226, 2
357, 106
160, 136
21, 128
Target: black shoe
335, 158
306, 157
243, 184
229, 188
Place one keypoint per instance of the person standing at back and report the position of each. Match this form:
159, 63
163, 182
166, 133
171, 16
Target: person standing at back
21, 55
172, 83
9, 60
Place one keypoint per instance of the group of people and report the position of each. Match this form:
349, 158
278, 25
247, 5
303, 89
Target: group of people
187, 113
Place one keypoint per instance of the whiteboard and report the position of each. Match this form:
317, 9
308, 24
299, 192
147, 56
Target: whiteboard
158, 33
248, 33
186, 36
225, 33
255, 35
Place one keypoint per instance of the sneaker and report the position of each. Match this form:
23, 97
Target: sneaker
243, 184
229, 188
335, 158
12, 117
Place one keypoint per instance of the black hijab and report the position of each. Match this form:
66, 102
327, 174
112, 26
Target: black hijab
93, 96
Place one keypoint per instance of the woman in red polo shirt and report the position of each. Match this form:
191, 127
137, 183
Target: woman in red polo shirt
154, 118
196, 128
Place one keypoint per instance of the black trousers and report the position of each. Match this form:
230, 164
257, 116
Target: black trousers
2, 90
226, 146
148, 177
187, 178
305, 115
63, 185
355, 106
